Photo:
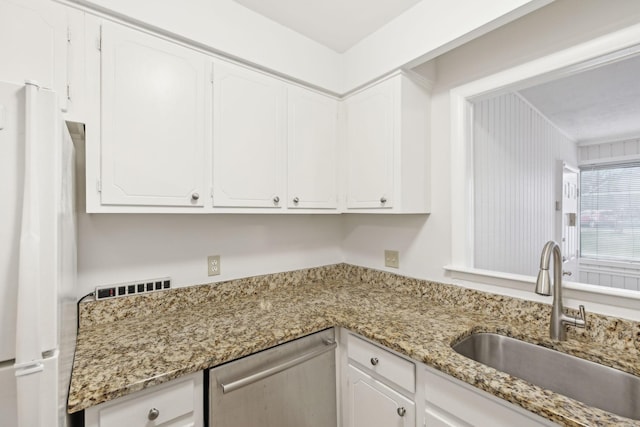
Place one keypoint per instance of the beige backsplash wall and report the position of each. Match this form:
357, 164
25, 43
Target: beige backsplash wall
116, 248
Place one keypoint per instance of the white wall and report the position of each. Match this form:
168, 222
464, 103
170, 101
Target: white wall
429, 28
122, 247
426, 30
427, 248
236, 31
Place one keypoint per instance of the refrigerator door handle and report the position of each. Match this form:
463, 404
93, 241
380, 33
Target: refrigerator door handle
28, 368
28, 348
28, 359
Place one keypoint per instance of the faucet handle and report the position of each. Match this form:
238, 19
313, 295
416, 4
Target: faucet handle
581, 319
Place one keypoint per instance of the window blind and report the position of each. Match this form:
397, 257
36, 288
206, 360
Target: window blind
610, 212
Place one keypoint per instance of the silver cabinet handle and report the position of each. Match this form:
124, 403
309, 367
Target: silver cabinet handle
232, 385
374, 361
296, 200
402, 411
153, 414
276, 199
383, 200
195, 196
567, 273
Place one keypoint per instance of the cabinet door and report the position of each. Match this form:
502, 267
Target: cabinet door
248, 138
33, 44
177, 403
370, 147
312, 144
153, 120
373, 404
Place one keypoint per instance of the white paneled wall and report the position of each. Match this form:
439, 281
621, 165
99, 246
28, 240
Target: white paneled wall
624, 150
516, 150
610, 273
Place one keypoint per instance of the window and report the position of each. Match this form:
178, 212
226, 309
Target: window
610, 212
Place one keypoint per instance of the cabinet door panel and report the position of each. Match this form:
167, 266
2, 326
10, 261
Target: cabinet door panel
33, 44
312, 148
370, 133
373, 404
178, 403
248, 138
153, 115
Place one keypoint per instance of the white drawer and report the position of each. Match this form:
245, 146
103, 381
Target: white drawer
382, 362
177, 403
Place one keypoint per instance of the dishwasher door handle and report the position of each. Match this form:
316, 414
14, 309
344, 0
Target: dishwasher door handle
272, 370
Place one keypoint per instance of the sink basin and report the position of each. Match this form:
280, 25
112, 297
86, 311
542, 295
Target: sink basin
588, 382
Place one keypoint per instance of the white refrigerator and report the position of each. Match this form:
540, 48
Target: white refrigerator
37, 257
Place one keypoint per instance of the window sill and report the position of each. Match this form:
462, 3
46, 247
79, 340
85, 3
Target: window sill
604, 300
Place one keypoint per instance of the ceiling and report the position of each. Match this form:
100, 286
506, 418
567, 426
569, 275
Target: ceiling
337, 24
601, 103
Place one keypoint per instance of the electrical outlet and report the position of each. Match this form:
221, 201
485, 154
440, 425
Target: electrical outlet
391, 259
213, 265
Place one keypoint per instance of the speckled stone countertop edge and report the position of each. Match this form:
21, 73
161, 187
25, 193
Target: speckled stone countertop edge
533, 315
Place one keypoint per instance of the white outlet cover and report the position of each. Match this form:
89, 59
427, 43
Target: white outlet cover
213, 265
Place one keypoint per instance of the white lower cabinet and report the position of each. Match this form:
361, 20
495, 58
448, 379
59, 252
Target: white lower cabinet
379, 386
178, 403
453, 403
374, 404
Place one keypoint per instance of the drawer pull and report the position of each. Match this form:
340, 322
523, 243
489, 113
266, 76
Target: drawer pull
402, 411
251, 378
153, 414
374, 361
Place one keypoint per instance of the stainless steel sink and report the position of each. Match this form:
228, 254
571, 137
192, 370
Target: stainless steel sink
588, 382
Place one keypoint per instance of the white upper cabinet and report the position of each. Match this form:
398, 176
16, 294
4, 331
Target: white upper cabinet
172, 129
153, 120
312, 145
369, 127
33, 44
387, 147
248, 138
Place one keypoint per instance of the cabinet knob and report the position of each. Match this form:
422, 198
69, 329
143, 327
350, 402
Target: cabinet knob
383, 200
296, 200
276, 200
153, 414
195, 196
402, 411
374, 361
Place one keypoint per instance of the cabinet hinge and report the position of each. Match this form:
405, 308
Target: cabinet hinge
211, 76
211, 193
68, 91
99, 42
99, 186
68, 34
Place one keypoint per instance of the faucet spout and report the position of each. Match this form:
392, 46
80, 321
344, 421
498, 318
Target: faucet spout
559, 318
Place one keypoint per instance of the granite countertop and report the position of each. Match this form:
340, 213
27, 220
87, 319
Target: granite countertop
128, 344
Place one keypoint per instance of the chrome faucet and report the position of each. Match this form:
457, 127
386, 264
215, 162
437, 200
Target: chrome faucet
543, 287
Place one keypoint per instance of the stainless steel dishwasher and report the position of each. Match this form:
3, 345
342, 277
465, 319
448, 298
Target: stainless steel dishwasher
291, 385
